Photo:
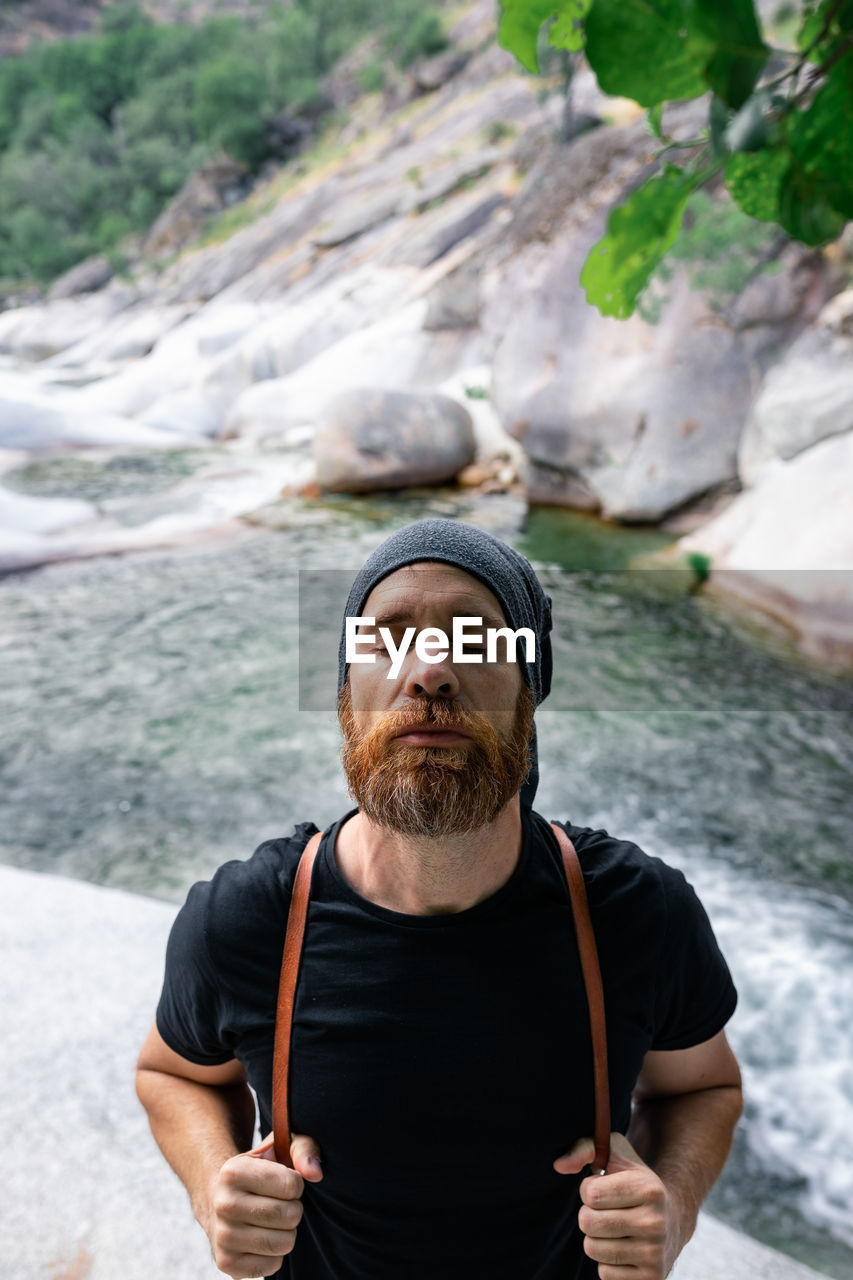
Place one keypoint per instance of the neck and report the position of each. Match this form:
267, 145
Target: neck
429, 877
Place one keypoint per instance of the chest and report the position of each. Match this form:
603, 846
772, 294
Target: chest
405, 1036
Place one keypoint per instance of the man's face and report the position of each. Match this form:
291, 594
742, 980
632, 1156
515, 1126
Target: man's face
442, 747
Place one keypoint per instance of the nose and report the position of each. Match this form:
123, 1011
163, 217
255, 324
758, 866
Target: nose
429, 679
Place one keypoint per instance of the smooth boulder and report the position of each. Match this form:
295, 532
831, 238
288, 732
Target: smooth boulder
806, 397
376, 439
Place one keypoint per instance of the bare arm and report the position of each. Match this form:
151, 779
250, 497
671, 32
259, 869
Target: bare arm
203, 1120
199, 1116
686, 1105
639, 1216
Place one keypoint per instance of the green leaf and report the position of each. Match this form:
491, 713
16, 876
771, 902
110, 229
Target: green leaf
821, 138
823, 25
521, 22
739, 54
654, 120
753, 179
567, 31
642, 49
639, 232
804, 209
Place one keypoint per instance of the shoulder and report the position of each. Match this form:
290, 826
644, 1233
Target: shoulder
633, 896
242, 909
616, 870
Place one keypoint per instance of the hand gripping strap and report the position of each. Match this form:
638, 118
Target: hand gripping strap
290, 961
594, 996
292, 956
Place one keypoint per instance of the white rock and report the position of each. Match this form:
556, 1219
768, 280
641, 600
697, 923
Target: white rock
178, 361
301, 329
394, 353
22, 513
786, 547
806, 397
44, 330
213, 496
128, 337
34, 418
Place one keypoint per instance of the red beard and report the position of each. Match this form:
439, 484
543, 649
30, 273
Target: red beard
435, 791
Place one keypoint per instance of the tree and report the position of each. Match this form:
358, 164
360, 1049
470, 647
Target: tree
780, 122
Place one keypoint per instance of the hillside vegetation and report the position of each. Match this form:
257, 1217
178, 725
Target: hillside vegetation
98, 132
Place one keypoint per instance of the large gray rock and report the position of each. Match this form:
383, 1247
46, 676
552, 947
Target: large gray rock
806, 397
624, 416
785, 548
395, 353
87, 276
373, 439
630, 417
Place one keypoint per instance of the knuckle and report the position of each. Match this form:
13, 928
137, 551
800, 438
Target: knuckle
653, 1226
225, 1238
225, 1203
586, 1219
293, 1214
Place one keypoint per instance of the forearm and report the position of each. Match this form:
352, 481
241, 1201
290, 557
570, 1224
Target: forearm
197, 1127
686, 1138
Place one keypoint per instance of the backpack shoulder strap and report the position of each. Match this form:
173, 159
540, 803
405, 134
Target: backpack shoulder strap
290, 961
594, 996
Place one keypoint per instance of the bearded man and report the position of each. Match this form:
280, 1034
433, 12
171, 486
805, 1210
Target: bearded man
441, 1085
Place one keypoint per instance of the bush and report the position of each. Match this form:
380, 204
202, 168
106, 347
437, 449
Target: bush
230, 96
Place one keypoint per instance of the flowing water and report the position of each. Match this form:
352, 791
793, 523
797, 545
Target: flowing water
150, 729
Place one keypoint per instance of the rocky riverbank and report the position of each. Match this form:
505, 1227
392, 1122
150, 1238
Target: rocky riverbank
431, 244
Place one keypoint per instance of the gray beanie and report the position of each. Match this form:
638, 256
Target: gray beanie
500, 568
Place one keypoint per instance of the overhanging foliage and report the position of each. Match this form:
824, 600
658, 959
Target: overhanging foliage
780, 122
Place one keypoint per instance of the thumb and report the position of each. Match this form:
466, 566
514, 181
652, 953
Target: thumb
577, 1157
622, 1156
305, 1155
264, 1150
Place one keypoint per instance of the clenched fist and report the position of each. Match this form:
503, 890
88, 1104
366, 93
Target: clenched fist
627, 1215
256, 1206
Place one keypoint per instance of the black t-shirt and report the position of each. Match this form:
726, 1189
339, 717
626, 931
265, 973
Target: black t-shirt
444, 1062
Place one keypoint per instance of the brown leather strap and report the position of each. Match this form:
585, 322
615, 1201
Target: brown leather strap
594, 996
292, 956
290, 961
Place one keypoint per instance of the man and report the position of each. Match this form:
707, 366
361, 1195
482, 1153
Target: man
441, 1077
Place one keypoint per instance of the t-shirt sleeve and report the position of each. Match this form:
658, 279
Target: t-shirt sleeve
694, 994
192, 1015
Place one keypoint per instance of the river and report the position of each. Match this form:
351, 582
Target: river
150, 729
